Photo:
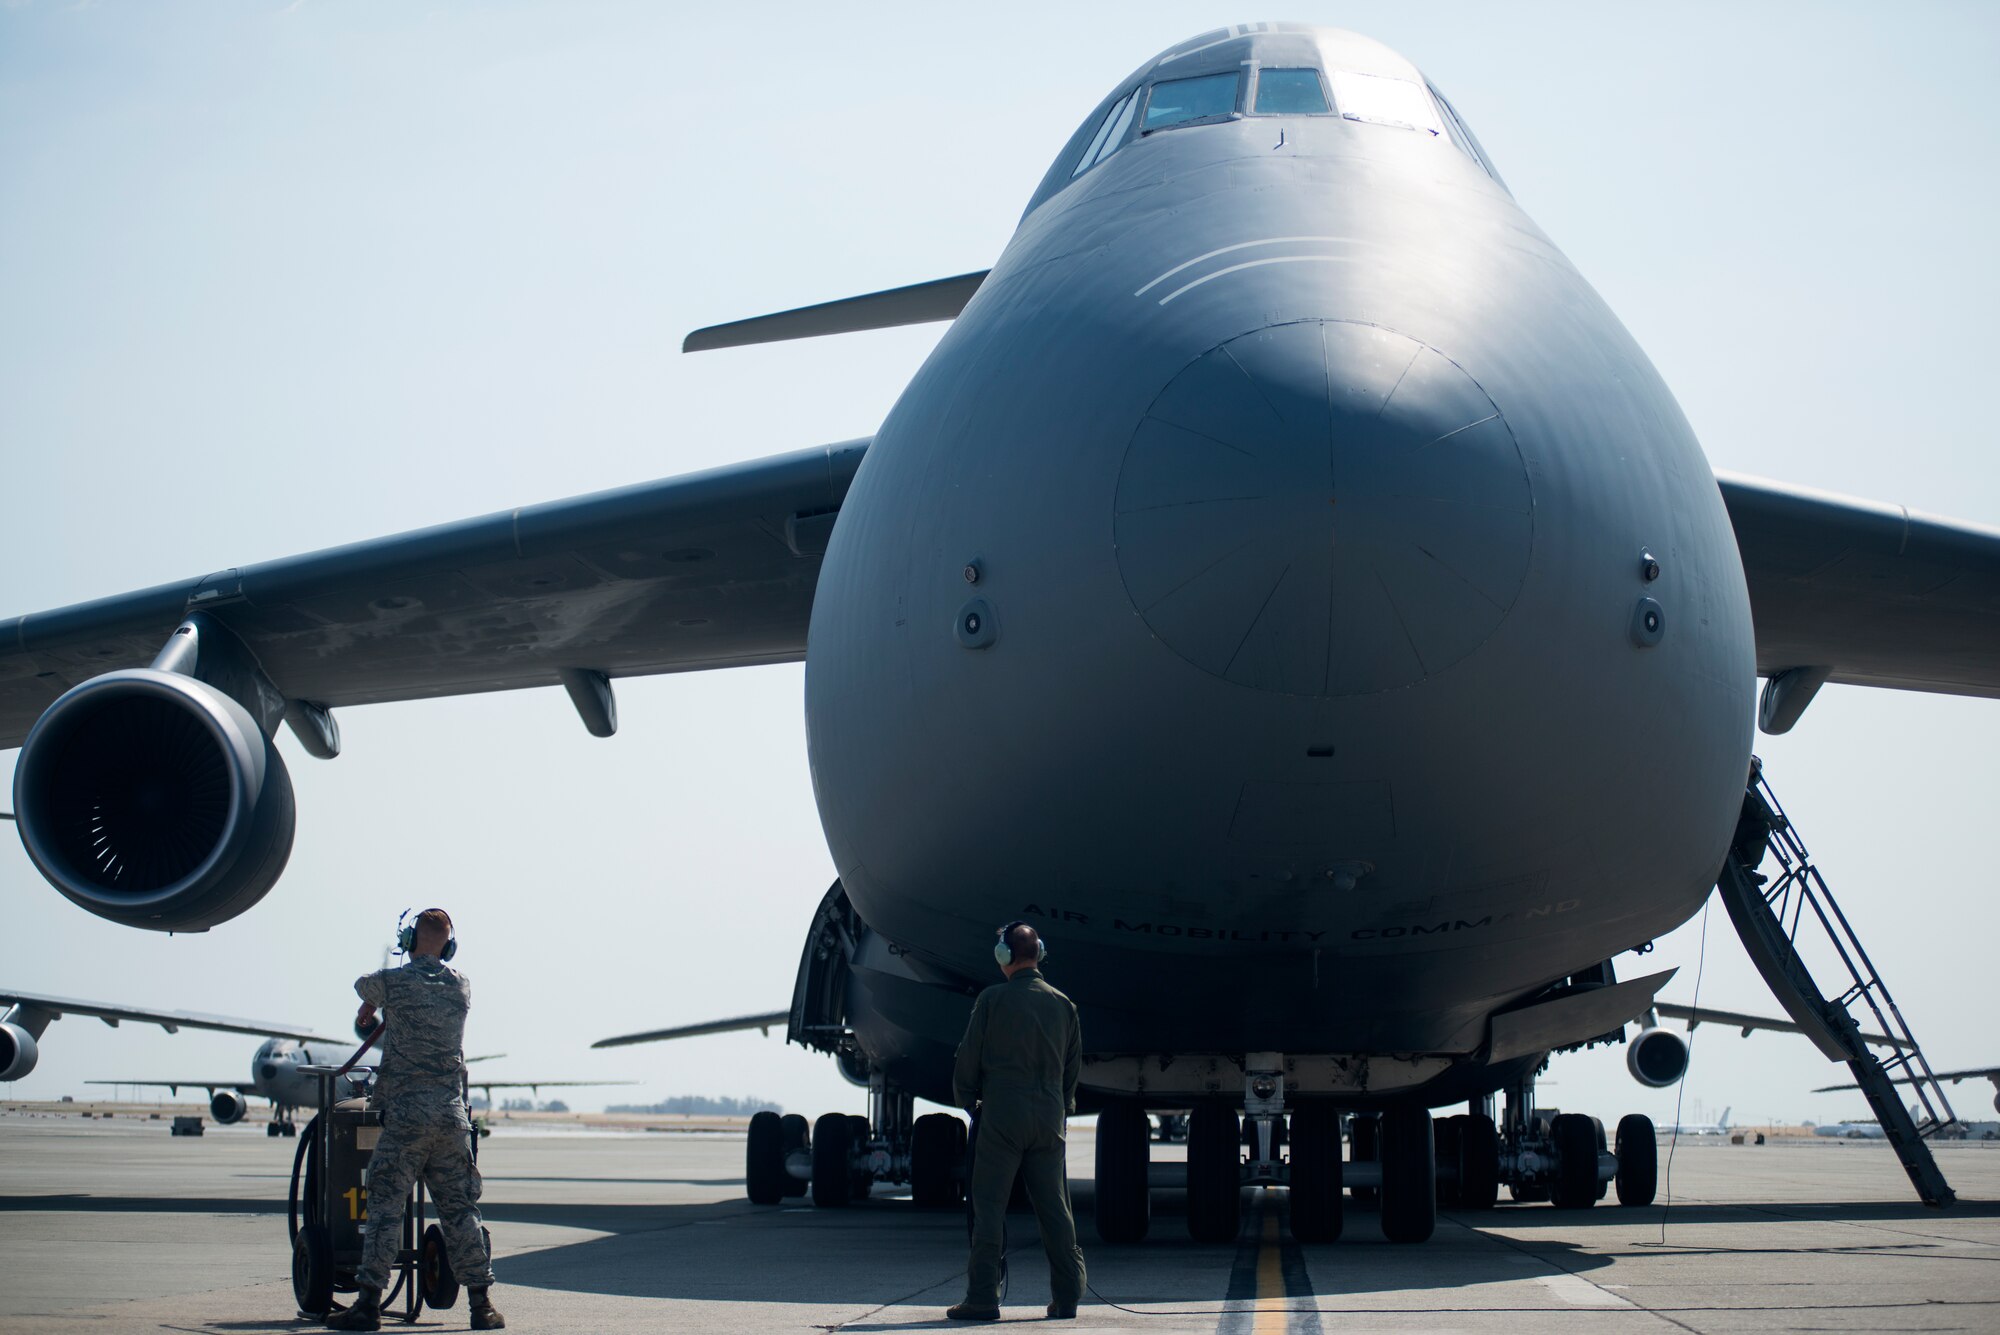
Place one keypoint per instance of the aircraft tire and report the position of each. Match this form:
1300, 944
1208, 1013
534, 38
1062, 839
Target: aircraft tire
1575, 1184
1638, 1160
864, 1176
1445, 1137
934, 1160
1315, 1137
1364, 1134
1478, 1162
796, 1134
1124, 1205
1409, 1175
1603, 1148
1215, 1176
764, 1173
833, 1160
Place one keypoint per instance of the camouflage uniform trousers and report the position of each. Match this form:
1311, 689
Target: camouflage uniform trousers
432, 1138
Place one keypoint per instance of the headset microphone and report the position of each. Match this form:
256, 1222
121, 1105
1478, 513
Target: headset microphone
1003, 954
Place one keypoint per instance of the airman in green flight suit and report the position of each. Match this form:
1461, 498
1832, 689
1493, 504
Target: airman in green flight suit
1022, 1053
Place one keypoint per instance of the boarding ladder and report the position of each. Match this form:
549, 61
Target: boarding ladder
1784, 917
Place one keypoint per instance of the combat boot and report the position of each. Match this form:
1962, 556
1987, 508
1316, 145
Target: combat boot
485, 1316
366, 1314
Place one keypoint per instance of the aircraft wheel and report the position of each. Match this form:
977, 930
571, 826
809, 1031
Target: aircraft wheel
1215, 1174
312, 1270
1603, 1148
1638, 1160
864, 1176
1124, 1153
1364, 1137
435, 1281
763, 1160
833, 1160
794, 1133
1444, 1143
1315, 1136
1409, 1175
1575, 1183
1478, 1162
273, 1130
934, 1160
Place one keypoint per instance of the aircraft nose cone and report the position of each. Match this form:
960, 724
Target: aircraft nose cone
1323, 509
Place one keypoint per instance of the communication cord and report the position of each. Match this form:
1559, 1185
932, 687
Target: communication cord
1680, 1088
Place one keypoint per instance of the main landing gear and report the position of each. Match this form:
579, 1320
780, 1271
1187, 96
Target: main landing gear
841, 1157
1404, 1159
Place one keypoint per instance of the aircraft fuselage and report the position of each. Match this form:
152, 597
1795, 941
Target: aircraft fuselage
1250, 590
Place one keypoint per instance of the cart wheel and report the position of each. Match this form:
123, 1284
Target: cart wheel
434, 1278
312, 1270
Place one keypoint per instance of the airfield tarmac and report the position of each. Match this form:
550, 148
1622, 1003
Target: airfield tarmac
116, 1227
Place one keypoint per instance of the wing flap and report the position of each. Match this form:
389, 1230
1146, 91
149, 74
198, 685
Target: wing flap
1878, 594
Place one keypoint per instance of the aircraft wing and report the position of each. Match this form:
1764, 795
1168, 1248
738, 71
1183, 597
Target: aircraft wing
706, 570
1977, 1073
240, 1086
490, 1085
171, 1021
765, 1022
1699, 1015
1868, 594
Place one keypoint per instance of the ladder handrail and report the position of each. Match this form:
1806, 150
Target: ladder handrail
1801, 874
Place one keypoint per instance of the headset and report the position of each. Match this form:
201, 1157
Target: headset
406, 935
1003, 954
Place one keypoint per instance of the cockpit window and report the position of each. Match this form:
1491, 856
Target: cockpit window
1181, 101
1384, 101
1290, 93
1120, 116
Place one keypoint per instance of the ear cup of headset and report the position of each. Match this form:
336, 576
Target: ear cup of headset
1003, 954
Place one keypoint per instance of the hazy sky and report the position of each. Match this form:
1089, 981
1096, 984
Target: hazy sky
279, 276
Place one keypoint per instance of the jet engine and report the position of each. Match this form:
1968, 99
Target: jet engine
154, 800
227, 1107
1657, 1057
18, 1052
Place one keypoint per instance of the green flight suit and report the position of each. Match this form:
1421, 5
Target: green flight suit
1022, 1053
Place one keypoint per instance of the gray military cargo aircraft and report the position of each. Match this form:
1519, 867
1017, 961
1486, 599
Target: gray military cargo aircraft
1286, 583
28, 1015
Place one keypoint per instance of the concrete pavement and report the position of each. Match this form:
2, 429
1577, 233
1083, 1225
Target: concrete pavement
116, 1227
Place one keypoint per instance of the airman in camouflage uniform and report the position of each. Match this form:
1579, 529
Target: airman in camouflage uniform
420, 1093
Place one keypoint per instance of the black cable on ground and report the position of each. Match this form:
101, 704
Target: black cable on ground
1680, 1089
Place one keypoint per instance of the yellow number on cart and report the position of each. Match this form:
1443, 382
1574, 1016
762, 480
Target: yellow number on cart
357, 1202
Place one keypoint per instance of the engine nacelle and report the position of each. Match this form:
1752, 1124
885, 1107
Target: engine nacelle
18, 1052
154, 800
1657, 1057
227, 1107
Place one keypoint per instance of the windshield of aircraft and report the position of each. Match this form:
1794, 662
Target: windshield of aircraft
1278, 90
1290, 93
1384, 101
1184, 101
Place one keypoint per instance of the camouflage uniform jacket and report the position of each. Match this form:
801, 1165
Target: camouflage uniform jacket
423, 1059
